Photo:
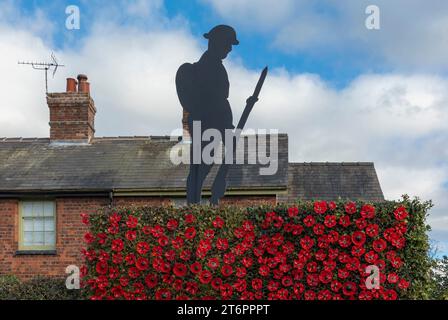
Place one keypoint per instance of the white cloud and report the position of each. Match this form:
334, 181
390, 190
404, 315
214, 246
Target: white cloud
396, 120
412, 34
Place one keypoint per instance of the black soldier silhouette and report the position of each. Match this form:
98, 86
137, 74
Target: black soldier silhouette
203, 91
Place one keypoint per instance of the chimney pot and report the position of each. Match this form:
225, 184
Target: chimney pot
82, 77
71, 85
83, 85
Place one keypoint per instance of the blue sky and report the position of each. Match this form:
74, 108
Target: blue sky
345, 93
337, 66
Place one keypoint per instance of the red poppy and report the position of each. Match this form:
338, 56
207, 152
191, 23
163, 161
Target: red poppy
185, 255
218, 223
196, 267
361, 223
352, 264
343, 273
358, 251
371, 257
309, 221
130, 259
222, 244
333, 236
178, 284
190, 233
390, 295
226, 290
172, 224
401, 213
349, 288
293, 211
142, 264
157, 231
368, 211
177, 242
248, 226
263, 270
226, 270
117, 245
163, 294
131, 235
396, 262
89, 238
379, 245
358, 238
344, 221
102, 267
205, 276
320, 207
372, 230
132, 222
241, 272
180, 270
345, 241
319, 229
312, 266
209, 234
312, 279
142, 248
307, 242
325, 277
85, 219
324, 295
330, 221
228, 258
163, 240
216, 283
102, 238
350, 207
309, 295
335, 286
189, 218
133, 273
151, 280
147, 230
403, 284
113, 229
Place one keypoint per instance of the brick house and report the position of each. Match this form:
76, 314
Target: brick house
45, 183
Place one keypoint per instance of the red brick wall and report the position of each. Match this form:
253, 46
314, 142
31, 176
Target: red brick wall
70, 232
72, 116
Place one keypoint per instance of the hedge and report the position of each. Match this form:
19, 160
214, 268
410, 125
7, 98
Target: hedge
308, 250
40, 288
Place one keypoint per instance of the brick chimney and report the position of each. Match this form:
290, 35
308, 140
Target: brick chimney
185, 134
72, 113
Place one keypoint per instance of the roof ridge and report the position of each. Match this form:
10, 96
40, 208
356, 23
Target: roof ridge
360, 163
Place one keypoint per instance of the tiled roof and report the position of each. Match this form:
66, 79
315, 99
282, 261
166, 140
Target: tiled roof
330, 181
125, 163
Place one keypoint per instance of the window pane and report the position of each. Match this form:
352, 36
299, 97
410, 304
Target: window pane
48, 209
28, 224
27, 209
49, 239
38, 224
49, 224
27, 238
38, 209
38, 239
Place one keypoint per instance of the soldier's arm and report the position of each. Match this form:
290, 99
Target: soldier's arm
185, 86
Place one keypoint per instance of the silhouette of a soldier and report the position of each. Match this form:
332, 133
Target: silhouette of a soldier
203, 91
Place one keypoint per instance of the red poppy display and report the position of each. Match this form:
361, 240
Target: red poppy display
320, 251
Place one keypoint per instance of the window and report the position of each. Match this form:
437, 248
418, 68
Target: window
37, 225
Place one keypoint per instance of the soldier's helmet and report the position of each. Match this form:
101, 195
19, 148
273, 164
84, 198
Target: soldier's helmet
222, 33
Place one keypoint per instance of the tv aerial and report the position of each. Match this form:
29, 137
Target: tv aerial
45, 66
